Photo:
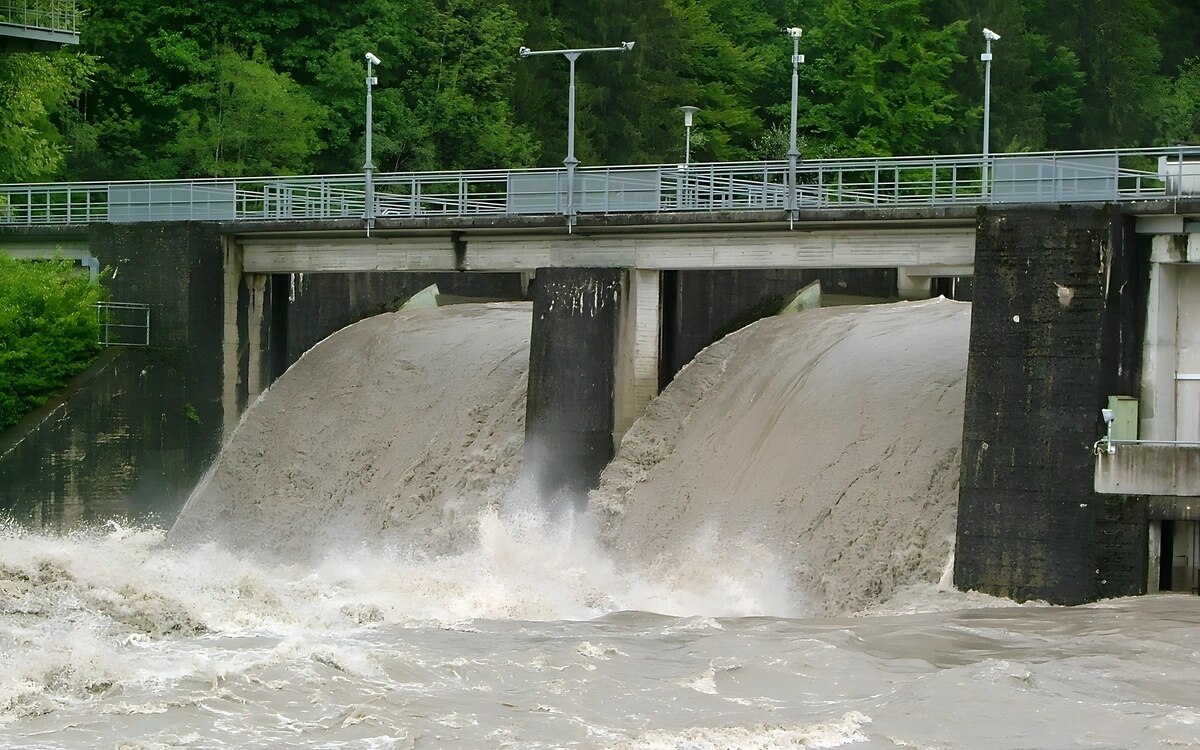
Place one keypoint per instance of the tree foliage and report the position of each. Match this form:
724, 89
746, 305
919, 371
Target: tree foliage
216, 87
242, 118
1181, 109
48, 331
34, 89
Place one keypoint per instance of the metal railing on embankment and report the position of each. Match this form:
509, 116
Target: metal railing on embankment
880, 183
123, 323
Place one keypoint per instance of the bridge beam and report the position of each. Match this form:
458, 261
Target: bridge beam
925, 248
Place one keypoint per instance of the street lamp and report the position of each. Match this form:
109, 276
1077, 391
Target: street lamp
368, 166
990, 36
571, 162
795, 32
688, 111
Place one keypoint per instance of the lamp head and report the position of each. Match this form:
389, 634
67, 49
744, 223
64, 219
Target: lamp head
991, 35
795, 32
524, 51
371, 58
1108, 415
688, 111
627, 46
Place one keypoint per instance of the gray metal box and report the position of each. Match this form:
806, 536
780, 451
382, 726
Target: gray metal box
1041, 179
210, 201
595, 192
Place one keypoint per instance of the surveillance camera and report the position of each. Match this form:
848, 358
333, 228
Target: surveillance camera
794, 32
989, 34
524, 52
371, 58
626, 46
1108, 415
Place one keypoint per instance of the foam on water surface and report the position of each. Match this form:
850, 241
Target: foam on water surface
357, 572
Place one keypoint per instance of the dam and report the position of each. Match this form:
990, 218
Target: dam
1076, 304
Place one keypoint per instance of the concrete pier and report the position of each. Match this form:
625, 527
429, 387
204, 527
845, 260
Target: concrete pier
572, 367
1046, 350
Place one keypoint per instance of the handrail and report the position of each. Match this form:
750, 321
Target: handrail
884, 182
50, 15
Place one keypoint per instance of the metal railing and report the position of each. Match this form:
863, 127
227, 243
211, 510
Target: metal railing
48, 15
123, 323
881, 183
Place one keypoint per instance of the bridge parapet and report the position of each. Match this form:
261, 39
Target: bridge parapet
38, 24
1126, 175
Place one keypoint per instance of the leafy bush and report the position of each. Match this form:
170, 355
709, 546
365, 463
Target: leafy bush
48, 331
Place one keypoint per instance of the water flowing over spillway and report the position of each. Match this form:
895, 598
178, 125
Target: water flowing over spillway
359, 571
827, 445
807, 464
402, 427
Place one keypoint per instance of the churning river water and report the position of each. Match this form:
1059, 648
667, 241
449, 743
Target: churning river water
424, 605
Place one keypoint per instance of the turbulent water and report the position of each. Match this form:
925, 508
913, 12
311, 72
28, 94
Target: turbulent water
357, 572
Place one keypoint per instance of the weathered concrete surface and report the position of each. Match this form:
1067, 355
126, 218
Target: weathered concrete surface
1171, 470
1047, 348
138, 436
572, 364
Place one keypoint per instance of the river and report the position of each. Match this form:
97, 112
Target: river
763, 566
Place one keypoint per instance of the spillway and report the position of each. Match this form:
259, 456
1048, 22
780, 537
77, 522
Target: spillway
360, 569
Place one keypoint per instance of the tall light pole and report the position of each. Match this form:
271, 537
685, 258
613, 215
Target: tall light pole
990, 36
795, 32
368, 165
688, 111
571, 162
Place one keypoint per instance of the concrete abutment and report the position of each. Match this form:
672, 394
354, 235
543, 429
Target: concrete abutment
1054, 332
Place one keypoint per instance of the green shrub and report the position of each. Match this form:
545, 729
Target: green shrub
48, 331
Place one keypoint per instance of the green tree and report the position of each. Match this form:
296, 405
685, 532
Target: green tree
877, 78
1180, 122
1117, 42
1037, 82
242, 118
35, 88
48, 331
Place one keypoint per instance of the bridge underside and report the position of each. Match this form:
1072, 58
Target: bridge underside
943, 249
18, 38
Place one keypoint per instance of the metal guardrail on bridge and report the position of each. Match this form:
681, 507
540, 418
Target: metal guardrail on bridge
41, 15
900, 182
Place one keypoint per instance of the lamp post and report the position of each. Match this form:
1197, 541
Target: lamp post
368, 165
687, 111
571, 162
990, 36
795, 32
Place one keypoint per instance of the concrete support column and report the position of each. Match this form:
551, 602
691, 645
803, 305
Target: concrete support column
231, 382
911, 286
1052, 335
256, 311
1156, 409
638, 345
572, 362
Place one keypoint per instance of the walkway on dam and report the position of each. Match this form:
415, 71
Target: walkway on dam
705, 192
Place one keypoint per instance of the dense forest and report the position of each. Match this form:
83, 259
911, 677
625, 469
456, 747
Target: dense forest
216, 87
